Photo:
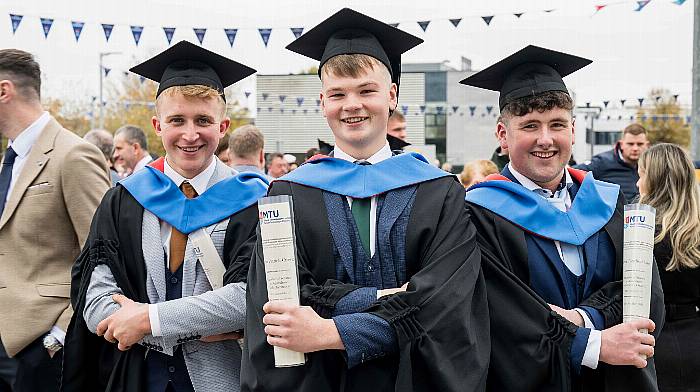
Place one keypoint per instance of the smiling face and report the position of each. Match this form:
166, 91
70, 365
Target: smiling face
190, 128
539, 144
357, 108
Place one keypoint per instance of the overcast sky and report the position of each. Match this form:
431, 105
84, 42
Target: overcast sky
632, 52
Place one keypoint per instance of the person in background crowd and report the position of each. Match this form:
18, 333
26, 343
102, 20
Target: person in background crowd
667, 183
397, 125
277, 166
475, 172
222, 151
50, 185
246, 146
105, 142
447, 167
500, 155
130, 149
310, 153
554, 289
151, 311
619, 165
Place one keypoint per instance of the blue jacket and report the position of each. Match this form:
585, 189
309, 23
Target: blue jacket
608, 166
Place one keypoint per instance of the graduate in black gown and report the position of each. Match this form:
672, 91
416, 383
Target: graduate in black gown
151, 313
551, 242
392, 294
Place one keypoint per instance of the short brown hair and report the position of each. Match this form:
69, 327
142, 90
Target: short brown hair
22, 70
397, 116
246, 141
540, 102
635, 129
194, 91
351, 65
223, 144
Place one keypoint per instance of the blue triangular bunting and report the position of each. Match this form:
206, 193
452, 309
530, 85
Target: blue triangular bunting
550, 10
16, 20
439, 109
640, 100
169, 33
77, 29
46, 24
108, 30
265, 35
282, 98
294, 111
297, 31
519, 14
675, 97
231, 35
642, 4
318, 102
455, 109
489, 109
106, 71
455, 22
316, 110
200, 32
247, 94
622, 102
472, 109
142, 79
300, 101
487, 19
424, 24
422, 108
136, 31
404, 109
657, 98
264, 96
305, 111
605, 103
269, 109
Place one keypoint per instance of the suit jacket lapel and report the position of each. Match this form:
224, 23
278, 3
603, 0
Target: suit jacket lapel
153, 254
36, 161
549, 249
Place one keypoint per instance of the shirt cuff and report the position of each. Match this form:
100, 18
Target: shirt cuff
594, 316
154, 320
59, 334
587, 323
592, 354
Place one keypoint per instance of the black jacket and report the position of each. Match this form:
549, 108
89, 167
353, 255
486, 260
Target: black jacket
608, 166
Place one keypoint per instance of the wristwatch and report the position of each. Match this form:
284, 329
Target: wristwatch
51, 343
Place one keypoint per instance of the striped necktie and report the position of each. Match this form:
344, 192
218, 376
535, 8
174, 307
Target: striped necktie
178, 240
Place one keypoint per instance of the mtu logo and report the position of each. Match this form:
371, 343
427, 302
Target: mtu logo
268, 214
634, 219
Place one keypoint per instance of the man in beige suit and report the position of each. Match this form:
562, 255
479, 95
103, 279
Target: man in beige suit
51, 182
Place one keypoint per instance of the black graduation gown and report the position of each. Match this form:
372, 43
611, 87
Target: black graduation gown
530, 343
441, 321
90, 362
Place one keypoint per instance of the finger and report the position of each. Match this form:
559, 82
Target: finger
647, 351
123, 347
647, 339
643, 324
274, 330
102, 327
109, 336
275, 341
275, 319
277, 307
120, 299
640, 363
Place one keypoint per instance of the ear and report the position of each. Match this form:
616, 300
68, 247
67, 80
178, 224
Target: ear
223, 126
393, 96
501, 132
7, 91
323, 103
573, 131
156, 125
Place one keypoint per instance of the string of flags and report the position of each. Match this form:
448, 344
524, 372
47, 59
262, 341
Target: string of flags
265, 32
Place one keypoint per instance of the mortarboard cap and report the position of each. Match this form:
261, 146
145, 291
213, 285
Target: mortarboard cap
186, 64
350, 32
324, 148
527, 72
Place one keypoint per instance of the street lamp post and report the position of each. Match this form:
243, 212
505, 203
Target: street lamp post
101, 101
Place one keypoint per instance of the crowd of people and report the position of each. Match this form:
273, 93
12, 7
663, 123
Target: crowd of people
123, 271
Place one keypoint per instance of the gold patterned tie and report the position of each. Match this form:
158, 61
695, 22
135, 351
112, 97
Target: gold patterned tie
178, 240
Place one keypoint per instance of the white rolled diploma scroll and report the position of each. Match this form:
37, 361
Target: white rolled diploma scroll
637, 259
279, 252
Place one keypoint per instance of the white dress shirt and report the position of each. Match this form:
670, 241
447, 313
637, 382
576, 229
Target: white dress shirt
563, 203
23, 145
382, 154
142, 163
199, 183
